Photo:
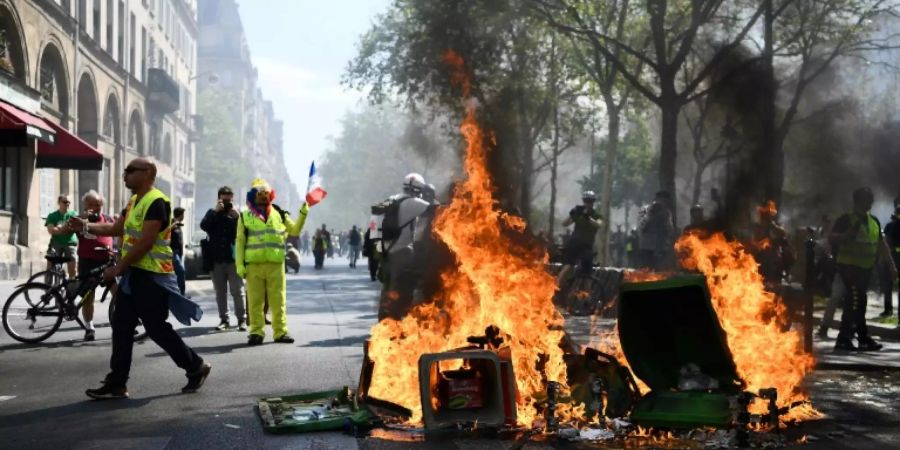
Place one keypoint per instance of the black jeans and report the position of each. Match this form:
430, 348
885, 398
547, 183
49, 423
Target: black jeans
853, 316
147, 302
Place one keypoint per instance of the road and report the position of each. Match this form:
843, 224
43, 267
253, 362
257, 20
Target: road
42, 401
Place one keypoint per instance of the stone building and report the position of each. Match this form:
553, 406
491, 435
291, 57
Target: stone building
118, 74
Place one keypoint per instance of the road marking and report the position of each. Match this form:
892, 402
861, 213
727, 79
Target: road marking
4, 398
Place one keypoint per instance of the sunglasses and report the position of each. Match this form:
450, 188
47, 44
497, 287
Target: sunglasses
65, 202
130, 170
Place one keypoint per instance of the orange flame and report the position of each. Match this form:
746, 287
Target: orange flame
495, 282
765, 354
769, 209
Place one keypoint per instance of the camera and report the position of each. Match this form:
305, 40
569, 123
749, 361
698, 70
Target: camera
93, 217
226, 206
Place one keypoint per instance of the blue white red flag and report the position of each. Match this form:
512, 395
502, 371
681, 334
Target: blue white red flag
314, 191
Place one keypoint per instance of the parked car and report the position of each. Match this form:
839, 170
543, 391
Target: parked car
193, 261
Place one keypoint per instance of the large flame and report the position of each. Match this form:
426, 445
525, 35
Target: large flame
766, 355
496, 282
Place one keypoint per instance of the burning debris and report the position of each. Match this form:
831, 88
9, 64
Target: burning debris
710, 351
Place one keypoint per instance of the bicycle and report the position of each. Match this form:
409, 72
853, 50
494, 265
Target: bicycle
56, 273
577, 290
36, 310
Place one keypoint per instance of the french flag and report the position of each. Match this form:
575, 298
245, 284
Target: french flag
314, 191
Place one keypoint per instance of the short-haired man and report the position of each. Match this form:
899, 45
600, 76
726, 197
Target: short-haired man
62, 239
148, 289
90, 251
220, 225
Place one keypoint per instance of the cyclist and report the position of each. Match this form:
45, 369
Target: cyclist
89, 255
579, 247
62, 237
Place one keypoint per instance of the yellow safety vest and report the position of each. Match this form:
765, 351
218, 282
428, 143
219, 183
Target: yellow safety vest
159, 258
265, 240
862, 250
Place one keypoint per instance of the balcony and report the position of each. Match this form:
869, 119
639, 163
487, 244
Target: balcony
163, 92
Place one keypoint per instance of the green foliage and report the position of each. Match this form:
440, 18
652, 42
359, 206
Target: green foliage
636, 160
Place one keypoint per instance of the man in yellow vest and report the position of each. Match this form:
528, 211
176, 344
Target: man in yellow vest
262, 233
148, 289
857, 238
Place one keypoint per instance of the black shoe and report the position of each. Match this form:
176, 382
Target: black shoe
242, 326
107, 392
286, 339
223, 325
886, 314
869, 345
196, 379
822, 333
89, 335
268, 322
254, 339
845, 345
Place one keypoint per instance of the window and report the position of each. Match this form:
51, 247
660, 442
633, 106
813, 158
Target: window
132, 56
9, 178
49, 191
122, 29
82, 14
110, 16
97, 22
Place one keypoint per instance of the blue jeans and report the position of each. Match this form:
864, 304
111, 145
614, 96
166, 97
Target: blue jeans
179, 271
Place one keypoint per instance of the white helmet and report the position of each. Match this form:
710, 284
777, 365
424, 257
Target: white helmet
414, 182
588, 196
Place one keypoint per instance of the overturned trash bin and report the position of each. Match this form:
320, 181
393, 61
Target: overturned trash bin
674, 343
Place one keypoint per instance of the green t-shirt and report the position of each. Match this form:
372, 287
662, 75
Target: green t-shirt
57, 218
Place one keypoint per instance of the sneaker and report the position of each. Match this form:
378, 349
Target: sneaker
107, 392
223, 325
89, 335
254, 339
196, 379
242, 326
286, 339
844, 345
869, 345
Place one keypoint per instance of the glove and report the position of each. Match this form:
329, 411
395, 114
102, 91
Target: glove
241, 271
304, 209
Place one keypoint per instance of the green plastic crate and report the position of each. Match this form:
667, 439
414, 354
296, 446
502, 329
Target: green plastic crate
282, 414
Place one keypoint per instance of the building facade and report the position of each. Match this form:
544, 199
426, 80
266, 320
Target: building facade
119, 74
224, 57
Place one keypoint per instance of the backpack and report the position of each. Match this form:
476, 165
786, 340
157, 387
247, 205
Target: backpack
390, 223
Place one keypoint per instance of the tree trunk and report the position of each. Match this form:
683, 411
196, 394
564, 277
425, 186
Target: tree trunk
612, 152
670, 106
554, 166
527, 148
698, 181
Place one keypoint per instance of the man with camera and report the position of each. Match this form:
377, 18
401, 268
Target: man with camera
90, 252
579, 248
220, 225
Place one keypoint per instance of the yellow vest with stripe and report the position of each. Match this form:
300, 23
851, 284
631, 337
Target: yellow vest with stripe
159, 258
265, 240
862, 250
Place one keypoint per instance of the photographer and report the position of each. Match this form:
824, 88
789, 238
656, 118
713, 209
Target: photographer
580, 246
89, 255
220, 225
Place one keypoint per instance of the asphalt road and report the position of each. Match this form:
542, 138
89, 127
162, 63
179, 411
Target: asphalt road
42, 401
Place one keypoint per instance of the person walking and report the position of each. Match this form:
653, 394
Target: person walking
861, 247
262, 233
892, 236
220, 225
354, 240
579, 249
148, 290
91, 253
370, 251
320, 248
177, 244
62, 239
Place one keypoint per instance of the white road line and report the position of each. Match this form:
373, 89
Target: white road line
4, 398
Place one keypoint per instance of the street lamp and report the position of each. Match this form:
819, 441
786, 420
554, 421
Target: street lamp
212, 77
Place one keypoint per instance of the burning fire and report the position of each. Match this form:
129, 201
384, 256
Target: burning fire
495, 282
765, 355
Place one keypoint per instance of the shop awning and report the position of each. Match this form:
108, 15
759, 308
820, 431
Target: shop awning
17, 124
69, 152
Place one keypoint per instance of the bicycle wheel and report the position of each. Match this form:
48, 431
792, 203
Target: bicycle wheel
32, 323
48, 277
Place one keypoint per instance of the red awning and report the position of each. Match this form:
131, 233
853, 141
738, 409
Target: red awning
12, 118
69, 152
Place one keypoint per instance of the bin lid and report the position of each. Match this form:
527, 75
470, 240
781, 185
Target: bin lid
666, 324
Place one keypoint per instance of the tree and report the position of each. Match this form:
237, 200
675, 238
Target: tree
506, 51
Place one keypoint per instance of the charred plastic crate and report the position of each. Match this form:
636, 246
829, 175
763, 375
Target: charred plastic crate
668, 330
467, 386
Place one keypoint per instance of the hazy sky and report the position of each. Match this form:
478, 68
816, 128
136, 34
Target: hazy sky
301, 48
